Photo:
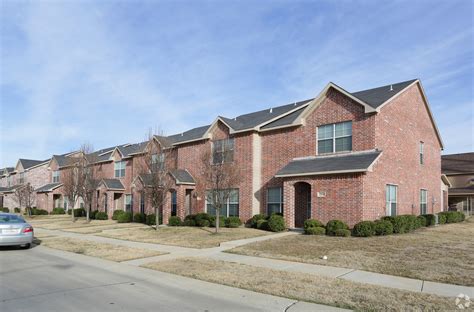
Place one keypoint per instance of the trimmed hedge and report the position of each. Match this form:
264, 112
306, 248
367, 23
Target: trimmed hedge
403, 223
233, 222
222, 220
342, 233
100, 215
38, 212
116, 214
151, 219
139, 217
430, 219
316, 230
5, 209
333, 225
421, 220
364, 229
174, 221
453, 216
92, 214
383, 227
276, 223
311, 224
16, 210
58, 211
441, 218
262, 224
254, 220
202, 219
125, 217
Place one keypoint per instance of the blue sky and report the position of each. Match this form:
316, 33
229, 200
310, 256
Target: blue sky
105, 72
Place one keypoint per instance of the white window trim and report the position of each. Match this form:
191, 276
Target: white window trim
333, 138
388, 208
120, 169
228, 204
281, 198
426, 201
223, 150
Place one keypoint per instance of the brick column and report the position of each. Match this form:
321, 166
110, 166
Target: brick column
289, 203
181, 202
166, 208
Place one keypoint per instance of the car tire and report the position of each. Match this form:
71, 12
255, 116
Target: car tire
27, 246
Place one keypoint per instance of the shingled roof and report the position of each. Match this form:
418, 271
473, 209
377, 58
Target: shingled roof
377, 96
182, 176
113, 184
28, 163
48, 187
334, 164
457, 163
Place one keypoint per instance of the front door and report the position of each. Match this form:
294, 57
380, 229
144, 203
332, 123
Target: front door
302, 203
187, 203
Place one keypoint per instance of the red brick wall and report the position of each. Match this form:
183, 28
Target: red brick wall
400, 126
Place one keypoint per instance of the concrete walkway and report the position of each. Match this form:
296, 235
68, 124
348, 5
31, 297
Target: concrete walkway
216, 253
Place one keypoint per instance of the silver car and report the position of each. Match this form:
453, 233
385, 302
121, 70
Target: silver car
14, 231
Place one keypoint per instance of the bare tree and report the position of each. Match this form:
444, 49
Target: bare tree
155, 174
24, 196
72, 182
18, 194
88, 176
220, 175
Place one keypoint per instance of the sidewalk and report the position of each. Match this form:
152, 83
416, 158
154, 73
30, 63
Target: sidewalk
217, 253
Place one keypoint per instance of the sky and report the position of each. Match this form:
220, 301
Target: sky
105, 72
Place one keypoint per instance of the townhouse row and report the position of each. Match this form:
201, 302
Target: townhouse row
341, 155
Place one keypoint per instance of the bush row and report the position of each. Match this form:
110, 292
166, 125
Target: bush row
204, 219
274, 222
386, 226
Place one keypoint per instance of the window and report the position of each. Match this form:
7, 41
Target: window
66, 202
9, 181
142, 203
274, 200
173, 203
159, 160
56, 176
119, 167
391, 199
423, 201
22, 178
335, 138
128, 203
230, 208
223, 151
421, 153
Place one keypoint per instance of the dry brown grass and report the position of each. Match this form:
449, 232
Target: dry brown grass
442, 254
68, 224
193, 237
305, 287
99, 228
99, 250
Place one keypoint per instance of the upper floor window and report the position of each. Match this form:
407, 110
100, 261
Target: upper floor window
119, 167
423, 201
335, 137
9, 181
274, 200
158, 160
391, 199
422, 153
56, 176
22, 178
223, 151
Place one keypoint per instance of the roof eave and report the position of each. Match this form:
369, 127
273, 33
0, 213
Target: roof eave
320, 173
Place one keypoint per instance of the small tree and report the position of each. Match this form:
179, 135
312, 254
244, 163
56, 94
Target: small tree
88, 176
73, 183
155, 175
24, 197
220, 175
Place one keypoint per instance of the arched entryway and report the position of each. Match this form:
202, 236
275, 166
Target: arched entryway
302, 203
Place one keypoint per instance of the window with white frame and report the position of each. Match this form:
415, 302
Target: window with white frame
223, 151
274, 200
391, 199
22, 178
119, 167
230, 208
55, 176
128, 202
158, 160
423, 201
422, 160
335, 137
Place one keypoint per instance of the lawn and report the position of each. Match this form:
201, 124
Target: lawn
441, 254
81, 226
99, 250
193, 237
305, 287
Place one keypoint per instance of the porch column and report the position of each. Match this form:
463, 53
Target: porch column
166, 208
289, 204
181, 202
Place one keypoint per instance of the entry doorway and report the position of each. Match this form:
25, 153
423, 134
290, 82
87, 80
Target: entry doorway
302, 203
187, 202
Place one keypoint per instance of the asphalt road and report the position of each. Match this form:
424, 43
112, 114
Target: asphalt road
43, 279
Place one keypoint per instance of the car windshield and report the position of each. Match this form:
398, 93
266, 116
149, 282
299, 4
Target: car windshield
11, 219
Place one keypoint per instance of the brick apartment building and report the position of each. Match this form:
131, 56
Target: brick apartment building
341, 155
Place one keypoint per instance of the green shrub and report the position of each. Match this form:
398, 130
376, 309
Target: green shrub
342, 233
37, 212
430, 219
254, 220
151, 219
189, 222
312, 223
16, 209
221, 221
441, 218
58, 211
403, 223
383, 227
100, 215
5, 209
276, 223
233, 222
116, 214
92, 214
421, 221
79, 212
174, 221
316, 230
262, 224
125, 217
139, 217
202, 219
364, 229
453, 216
334, 225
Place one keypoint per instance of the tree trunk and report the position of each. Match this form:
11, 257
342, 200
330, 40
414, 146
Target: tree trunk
87, 213
157, 217
217, 220
72, 212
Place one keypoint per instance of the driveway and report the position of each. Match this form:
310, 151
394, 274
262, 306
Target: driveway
43, 279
